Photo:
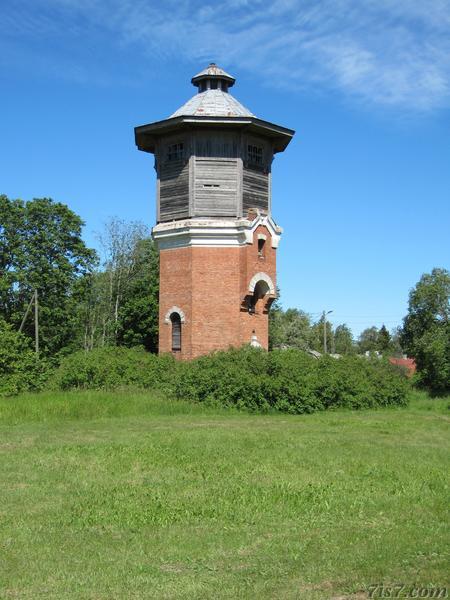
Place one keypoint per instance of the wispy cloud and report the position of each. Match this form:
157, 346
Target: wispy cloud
389, 53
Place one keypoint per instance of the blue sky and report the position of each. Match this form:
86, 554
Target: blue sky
362, 192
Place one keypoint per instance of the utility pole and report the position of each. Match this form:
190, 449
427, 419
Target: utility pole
26, 314
36, 322
34, 299
325, 330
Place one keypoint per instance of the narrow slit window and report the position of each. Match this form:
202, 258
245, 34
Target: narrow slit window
211, 185
261, 247
176, 332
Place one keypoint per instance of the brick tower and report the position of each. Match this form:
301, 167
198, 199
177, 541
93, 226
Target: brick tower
215, 233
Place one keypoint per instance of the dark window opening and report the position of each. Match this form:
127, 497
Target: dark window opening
175, 151
214, 84
211, 185
254, 155
256, 300
261, 245
202, 86
176, 332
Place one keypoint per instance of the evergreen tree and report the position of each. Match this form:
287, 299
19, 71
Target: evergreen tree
384, 341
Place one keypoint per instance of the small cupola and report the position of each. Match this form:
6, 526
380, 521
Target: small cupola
213, 78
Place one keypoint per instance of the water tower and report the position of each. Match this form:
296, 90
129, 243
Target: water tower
215, 232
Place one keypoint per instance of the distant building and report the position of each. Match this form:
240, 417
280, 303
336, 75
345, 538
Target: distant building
409, 364
215, 232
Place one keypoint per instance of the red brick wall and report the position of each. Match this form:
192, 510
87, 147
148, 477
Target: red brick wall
209, 286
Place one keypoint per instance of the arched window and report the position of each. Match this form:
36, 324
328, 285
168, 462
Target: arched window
259, 293
176, 332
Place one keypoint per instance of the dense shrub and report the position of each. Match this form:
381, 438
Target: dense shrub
20, 369
113, 368
290, 381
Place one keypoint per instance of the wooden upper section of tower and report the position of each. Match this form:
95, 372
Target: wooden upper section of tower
213, 157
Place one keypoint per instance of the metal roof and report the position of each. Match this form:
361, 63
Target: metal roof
213, 103
214, 72
212, 106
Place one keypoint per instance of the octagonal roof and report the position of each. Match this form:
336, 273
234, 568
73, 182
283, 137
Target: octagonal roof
214, 106
213, 103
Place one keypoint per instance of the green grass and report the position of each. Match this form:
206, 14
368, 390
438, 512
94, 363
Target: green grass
127, 495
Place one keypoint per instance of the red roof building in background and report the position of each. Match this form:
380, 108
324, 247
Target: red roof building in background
409, 364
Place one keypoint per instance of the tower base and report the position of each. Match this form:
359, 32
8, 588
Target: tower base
217, 282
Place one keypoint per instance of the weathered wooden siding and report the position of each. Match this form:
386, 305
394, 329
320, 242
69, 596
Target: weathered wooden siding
255, 188
217, 144
216, 187
174, 190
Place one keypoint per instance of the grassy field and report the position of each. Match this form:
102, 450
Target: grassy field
124, 495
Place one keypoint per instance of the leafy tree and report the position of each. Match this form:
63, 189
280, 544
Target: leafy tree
317, 337
396, 335
426, 330
93, 312
20, 369
41, 249
290, 328
368, 340
297, 328
384, 341
120, 241
343, 340
138, 316
121, 307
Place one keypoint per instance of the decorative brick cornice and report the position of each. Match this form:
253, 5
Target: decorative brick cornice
213, 232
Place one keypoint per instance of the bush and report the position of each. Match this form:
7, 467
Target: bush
114, 367
20, 369
290, 381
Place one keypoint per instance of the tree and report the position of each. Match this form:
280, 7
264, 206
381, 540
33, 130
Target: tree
289, 328
119, 241
384, 341
368, 340
426, 330
122, 305
343, 340
41, 249
275, 323
317, 337
20, 369
139, 314
396, 335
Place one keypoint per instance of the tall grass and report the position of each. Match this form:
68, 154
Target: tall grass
93, 404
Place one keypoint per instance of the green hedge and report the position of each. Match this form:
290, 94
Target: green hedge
112, 368
288, 381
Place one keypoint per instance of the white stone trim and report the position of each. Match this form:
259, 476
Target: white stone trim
213, 233
274, 230
261, 236
261, 277
172, 310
